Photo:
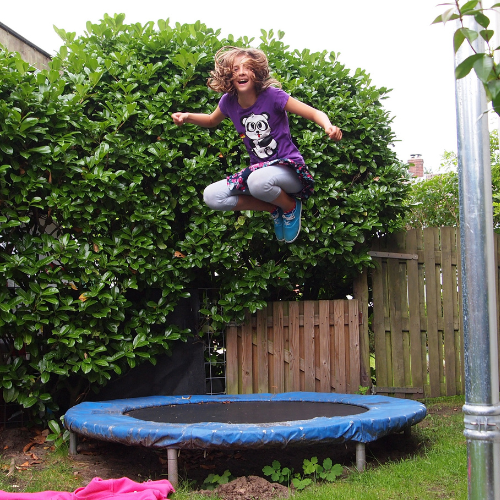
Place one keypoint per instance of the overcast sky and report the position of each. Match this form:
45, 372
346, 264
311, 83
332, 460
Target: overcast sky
393, 40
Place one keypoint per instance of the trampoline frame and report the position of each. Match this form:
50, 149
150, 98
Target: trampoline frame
107, 421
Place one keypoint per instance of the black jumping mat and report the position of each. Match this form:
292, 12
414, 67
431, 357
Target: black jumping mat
244, 412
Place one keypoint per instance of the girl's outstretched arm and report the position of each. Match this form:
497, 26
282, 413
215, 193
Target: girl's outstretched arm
313, 114
201, 119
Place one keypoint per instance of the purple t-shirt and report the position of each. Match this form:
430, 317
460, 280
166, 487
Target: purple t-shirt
264, 125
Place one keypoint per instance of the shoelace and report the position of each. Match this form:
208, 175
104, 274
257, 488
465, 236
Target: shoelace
289, 216
275, 215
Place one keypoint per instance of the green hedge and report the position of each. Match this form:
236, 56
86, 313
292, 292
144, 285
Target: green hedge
103, 226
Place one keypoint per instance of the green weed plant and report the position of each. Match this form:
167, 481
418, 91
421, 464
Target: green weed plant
278, 474
214, 480
59, 436
312, 472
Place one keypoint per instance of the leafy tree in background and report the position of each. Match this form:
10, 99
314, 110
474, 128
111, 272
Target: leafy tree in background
102, 223
434, 202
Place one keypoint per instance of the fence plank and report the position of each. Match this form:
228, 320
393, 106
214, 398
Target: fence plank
431, 303
457, 319
232, 360
309, 361
340, 366
414, 311
324, 343
360, 289
294, 363
439, 311
461, 326
423, 314
354, 347
278, 341
379, 323
246, 355
449, 330
404, 367
262, 358
385, 245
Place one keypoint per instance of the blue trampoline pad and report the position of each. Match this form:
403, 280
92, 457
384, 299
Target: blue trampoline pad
276, 419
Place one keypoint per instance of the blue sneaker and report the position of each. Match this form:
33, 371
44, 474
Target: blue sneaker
291, 222
277, 216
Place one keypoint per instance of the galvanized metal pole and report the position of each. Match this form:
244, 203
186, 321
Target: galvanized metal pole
481, 409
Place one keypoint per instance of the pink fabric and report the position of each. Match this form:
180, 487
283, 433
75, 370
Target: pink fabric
98, 489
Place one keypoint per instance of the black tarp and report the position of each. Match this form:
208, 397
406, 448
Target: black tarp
182, 372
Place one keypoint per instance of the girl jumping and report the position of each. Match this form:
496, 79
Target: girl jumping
277, 176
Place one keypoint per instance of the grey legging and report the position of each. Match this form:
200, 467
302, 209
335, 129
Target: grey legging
264, 184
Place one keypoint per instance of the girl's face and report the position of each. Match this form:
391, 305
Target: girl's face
243, 76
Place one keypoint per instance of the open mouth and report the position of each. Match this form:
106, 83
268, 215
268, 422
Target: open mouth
242, 82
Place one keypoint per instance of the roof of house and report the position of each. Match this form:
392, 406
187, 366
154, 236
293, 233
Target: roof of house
24, 40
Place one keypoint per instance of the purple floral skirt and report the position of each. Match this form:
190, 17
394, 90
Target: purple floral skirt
238, 180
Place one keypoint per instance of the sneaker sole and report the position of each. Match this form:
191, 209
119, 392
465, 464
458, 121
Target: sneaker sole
297, 235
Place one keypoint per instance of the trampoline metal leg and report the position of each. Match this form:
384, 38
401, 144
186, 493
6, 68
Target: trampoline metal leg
173, 475
73, 443
360, 456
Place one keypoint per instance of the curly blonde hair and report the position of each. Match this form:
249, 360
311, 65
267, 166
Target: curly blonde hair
221, 76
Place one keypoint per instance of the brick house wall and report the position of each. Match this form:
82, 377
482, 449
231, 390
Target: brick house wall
416, 166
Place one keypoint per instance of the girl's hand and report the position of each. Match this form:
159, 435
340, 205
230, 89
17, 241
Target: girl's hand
333, 132
179, 118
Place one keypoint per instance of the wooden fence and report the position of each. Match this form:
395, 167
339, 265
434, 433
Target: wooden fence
416, 323
295, 346
413, 297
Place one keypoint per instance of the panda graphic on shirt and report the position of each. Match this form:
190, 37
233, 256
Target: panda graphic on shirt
258, 130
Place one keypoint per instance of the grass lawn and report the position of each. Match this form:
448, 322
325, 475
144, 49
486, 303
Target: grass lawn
436, 468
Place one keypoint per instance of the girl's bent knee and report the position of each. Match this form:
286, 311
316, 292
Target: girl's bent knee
266, 191
217, 197
209, 198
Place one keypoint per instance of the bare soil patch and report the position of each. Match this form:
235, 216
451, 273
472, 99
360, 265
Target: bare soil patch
249, 488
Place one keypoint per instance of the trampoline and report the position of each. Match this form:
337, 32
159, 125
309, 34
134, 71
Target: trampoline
243, 421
